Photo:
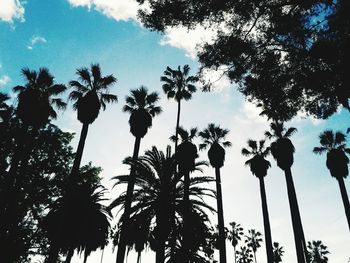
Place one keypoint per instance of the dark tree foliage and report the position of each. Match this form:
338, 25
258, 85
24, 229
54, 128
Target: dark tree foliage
286, 56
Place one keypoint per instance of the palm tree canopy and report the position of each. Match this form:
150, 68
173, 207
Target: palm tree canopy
258, 165
178, 84
37, 98
186, 152
142, 107
335, 146
253, 239
214, 137
317, 252
157, 186
245, 255
235, 233
277, 252
90, 92
282, 149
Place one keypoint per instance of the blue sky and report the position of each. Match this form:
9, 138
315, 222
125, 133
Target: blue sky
67, 34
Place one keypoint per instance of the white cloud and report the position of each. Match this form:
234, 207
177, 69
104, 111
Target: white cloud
4, 80
117, 9
11, 10
35, 40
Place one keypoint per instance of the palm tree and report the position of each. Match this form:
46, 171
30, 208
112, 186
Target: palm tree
245, 255
259, 166
235, 234
282, 150
212, 137
178, 85
3, 105
253, 240
317, 252
142, 108
337, 161
277, 252
158, 185
77, 220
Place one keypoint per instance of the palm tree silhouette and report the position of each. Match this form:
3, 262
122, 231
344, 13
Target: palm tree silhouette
245, 255
213, 136
337, 161
159, 195
142, 108
317, 252
259, 166
277, 252
235, 234
282, 150
91, 91
178, 85
253, 240
77, 220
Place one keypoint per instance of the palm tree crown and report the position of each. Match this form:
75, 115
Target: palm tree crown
277, 252
91, 91
258, 164
142, 108
178, 84
317, 252
282, 149
335, 146
213, 136
36, 99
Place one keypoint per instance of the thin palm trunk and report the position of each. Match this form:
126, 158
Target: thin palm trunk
254, 252
177, 124
345, 198
85, 257
103, 251
70, 255
234, 251
296, 220
138, 257
222, 243
267, 228
186, 228
127, 206
79, 153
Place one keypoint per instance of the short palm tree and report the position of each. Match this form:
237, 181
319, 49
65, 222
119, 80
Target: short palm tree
77, 220
244, 255
90, 93
178, 85
253, 240
157, 186
317, 252
213, 136
337, 161
277, 252
259, 166
142, 108
235, 234
282, 150
3, 105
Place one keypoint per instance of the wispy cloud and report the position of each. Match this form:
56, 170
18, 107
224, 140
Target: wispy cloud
11, 10
35, 40
4, 80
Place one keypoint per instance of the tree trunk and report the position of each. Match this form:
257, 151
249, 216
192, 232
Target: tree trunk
234, 251
127, 206
53, 253
267, 228
254, 256
139, 257
85, 257
80, 149
222, 243
177, 123
70, 255
345, 198
186, 215
103, 251
299, 238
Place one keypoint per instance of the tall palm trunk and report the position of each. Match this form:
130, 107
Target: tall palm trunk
177, 124
234, 251
79, 153
138, 257
127, 206
345, 198
70, 255
85, 257
299, 238
186, 215
254, 252
267, 228
222, 243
